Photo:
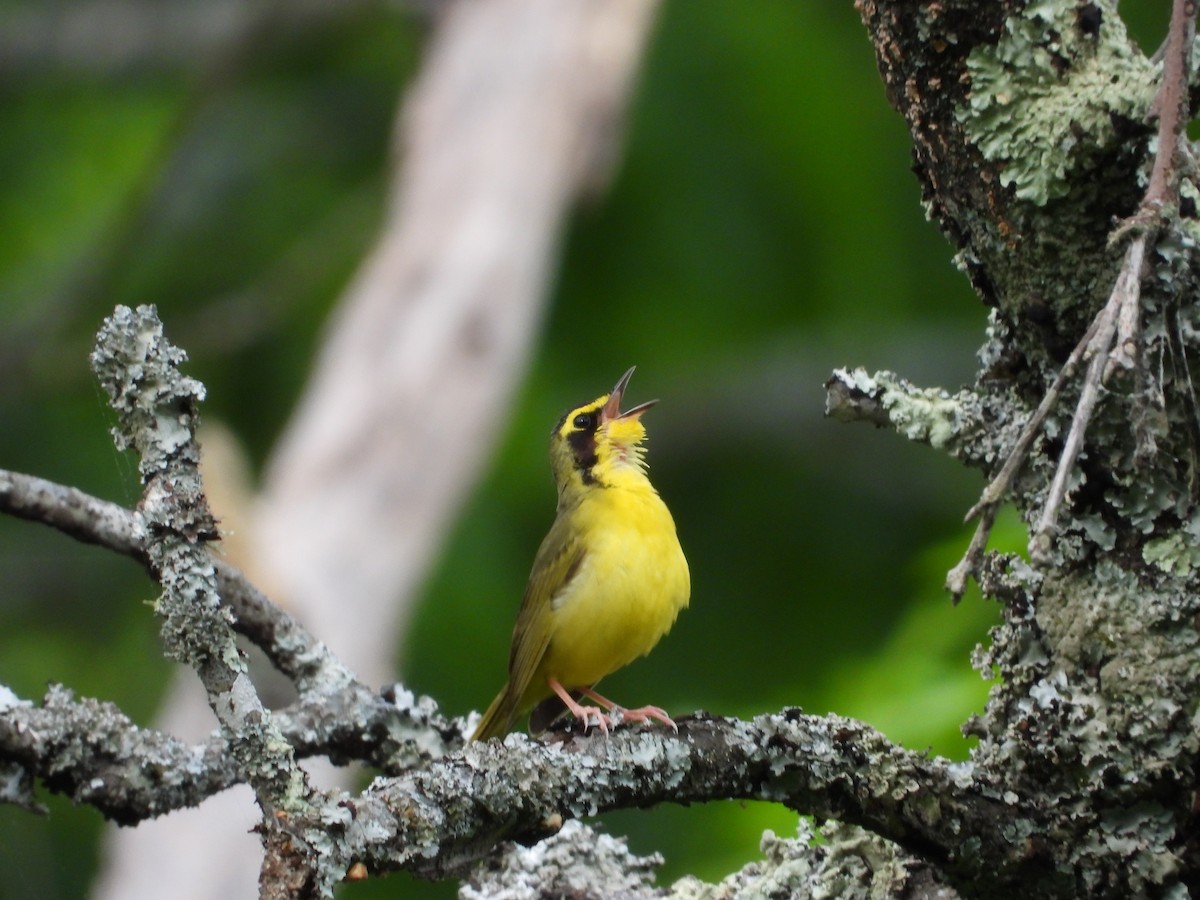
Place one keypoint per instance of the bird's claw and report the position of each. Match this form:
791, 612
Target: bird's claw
586, 714
644, 713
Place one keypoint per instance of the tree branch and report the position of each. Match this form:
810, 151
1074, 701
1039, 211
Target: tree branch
336, 715
73, 512
156, 408
95, 754
450, 814
437, 820
92, 520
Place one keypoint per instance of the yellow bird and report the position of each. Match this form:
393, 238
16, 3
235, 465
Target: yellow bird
607, 582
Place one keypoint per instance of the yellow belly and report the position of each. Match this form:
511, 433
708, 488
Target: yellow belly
631, 585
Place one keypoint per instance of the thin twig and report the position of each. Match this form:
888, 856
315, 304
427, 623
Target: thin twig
956, 579
997, 489
1176, 346
73, 512
1126, 294
999, 486
1171, 105
288, 646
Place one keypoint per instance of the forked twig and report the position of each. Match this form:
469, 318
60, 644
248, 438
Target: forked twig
989, 501
1125, 296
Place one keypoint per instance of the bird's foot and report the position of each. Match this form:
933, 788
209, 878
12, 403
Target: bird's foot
588, 714
583, 714
644, 713
621, 714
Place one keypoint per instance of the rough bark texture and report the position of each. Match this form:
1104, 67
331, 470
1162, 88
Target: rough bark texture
1031, 125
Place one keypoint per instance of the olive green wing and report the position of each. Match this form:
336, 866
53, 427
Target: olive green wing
558, 561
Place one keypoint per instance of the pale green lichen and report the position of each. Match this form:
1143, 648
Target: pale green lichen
1046, 94
1173, 554
930, 415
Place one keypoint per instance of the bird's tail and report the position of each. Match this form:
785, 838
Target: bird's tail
499, 718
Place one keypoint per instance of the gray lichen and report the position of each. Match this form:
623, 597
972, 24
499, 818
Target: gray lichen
844, 862
157, 414
576, 862
1099, 717
16, 782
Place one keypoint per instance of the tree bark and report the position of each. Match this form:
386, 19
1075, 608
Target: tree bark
1032, 128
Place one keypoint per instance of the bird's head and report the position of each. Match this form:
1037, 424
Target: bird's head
598, 444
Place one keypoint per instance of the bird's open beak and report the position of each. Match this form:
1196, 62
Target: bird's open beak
612, 409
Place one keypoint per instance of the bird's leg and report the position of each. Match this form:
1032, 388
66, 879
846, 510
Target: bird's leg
584, 714
641, 714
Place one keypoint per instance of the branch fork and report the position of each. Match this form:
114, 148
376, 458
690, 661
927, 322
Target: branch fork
444, 804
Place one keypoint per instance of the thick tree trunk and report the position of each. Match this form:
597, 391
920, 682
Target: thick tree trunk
1032, 127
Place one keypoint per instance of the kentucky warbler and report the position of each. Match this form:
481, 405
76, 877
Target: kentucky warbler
607, 582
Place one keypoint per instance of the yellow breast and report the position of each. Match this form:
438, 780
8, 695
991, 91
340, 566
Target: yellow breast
630, 587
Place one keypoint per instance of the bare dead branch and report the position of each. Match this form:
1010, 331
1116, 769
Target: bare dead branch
73, 512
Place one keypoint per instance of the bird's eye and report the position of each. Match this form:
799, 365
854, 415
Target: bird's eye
583, 421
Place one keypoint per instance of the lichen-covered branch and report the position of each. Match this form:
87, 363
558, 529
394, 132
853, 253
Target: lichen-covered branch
576, 862
440, 818
581, 862
93, 753
448, 815
156, 409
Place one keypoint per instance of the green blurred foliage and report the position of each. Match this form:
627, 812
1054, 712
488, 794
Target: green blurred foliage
762, 228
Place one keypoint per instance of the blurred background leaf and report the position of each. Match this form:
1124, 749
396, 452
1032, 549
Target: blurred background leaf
762, 229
